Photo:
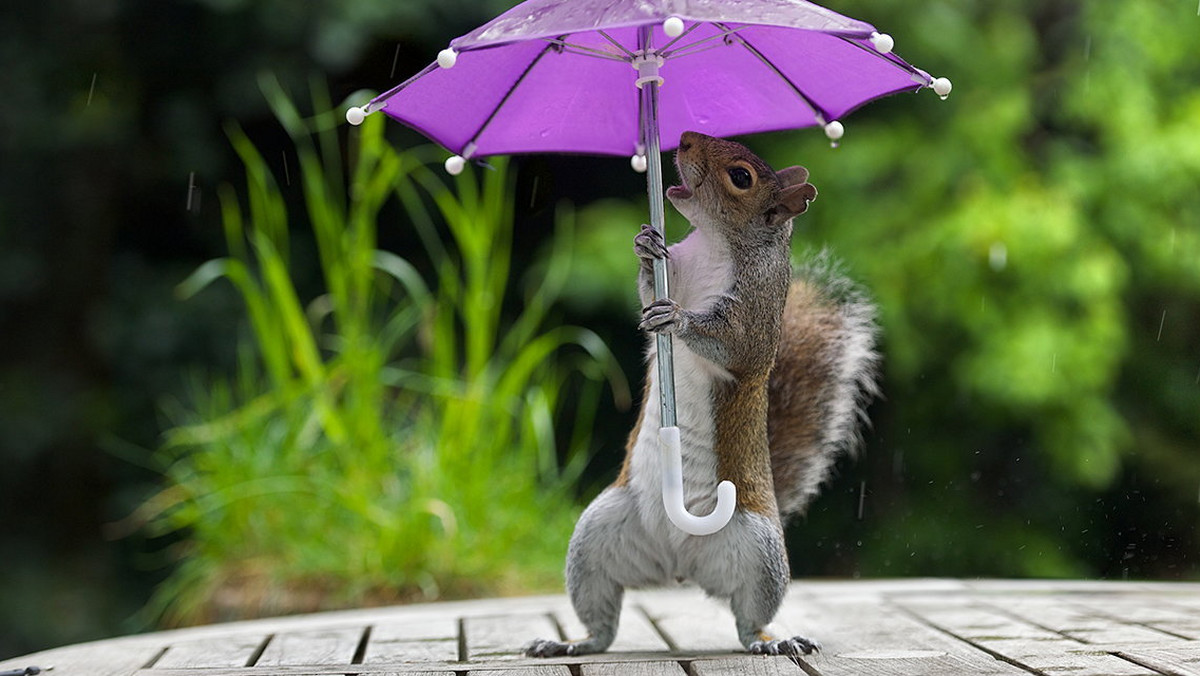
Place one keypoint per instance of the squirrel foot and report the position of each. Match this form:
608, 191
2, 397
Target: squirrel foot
649, 245
542, 647
796, 645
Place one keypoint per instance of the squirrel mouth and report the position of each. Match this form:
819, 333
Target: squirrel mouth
679, 192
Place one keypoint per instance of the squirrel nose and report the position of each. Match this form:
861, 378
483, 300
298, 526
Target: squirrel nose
686, 140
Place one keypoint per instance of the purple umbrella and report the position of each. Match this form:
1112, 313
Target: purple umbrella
610, 77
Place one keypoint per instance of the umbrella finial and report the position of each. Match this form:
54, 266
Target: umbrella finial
638, 162
834, 130
673, 27
883, 42
355, 115
942, 86
455, 164
447, 58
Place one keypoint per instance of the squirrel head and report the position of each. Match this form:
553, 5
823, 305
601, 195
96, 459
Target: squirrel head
727, 187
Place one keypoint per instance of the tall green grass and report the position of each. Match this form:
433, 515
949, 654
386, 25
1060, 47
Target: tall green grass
394, 437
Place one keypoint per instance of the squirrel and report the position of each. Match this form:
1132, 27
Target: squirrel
773, 372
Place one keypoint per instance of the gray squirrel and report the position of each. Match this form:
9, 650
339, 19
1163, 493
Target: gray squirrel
772, 374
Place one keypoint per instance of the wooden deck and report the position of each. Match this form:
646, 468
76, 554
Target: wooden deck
866, 628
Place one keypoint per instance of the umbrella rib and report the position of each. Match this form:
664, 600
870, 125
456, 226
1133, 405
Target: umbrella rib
521, 78
663, 50
616, 44
817, 110
395, 90
688, 49
911, 70
587, 51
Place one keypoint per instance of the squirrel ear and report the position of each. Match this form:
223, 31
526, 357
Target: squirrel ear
793, 201
792, 175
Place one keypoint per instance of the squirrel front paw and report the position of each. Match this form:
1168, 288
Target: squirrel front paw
663, 315
649, 246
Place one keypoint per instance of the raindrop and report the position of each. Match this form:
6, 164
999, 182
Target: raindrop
1161, 322
193, 196
1054, 363
998, 256
91, 90
395, 60
286, 174
862, 494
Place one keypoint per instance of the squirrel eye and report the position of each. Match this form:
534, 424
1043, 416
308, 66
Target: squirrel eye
740, 177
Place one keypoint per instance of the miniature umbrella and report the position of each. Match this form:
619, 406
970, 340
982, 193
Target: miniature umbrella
609, 77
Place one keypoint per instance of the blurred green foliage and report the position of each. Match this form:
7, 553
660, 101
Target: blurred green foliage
412, 426
1032, 242
1033, 245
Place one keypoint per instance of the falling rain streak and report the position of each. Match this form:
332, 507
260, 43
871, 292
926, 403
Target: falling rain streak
286, 175
91, 91
193, 196
395, 60
1161, 322
862, 495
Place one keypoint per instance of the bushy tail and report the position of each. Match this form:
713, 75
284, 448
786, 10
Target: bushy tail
824, 377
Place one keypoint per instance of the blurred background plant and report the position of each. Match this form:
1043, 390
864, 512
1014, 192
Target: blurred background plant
1032, 242
413, 428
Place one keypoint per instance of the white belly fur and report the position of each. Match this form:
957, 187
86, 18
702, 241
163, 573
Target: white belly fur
699, 275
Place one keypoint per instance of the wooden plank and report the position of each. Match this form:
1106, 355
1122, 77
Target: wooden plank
654, 668
691, 622
233, 651
528, 670
415, 641
747, 665
1076, 622
864, 636
635, 633
1181, 660
102, 658
503, 637
1152, 611
312, 647
1021, 643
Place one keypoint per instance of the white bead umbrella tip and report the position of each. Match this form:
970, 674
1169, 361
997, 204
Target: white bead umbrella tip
941, 87
883, 42
673, 27
355, 115
455, 165
447, 58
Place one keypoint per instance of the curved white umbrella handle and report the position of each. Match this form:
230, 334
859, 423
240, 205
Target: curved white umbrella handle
672, 488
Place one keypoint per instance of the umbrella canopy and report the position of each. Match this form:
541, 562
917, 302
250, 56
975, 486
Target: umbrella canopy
552, 76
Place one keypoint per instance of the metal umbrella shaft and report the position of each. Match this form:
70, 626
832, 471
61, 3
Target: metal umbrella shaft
670, 448
648, 121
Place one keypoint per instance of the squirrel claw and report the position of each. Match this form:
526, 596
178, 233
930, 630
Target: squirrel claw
796, 645
662, 315
541, 647
648, 244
